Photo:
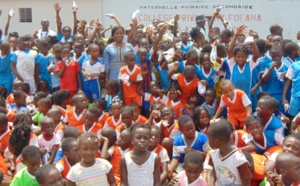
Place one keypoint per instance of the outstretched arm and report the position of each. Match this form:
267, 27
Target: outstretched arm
7, 25
239, 32
58, 20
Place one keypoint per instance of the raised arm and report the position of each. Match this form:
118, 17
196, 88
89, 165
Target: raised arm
74, 11
96, 30
119, 23
254, 48
176, 19
7, 25
159, 38
58, 20
239, 32
133, 32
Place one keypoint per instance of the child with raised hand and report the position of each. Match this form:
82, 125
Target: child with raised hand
45, 60
140, 165
6, 78
56, 48
287, 166
25, 57
69, 147
90, 122
48, 141
112, 90
263, 139
237, 102
114, 120
137, 117
241, 69
201, 119
68, 71
55, 114
48, 175
193, 167
173, 99
131, 78
274, 75
265, 109
92, 70
190, 140
91, 170
32, 161
154, 146
44, 105
101, 105
62, 100
226, 164
63, 34
75, 116
117, 151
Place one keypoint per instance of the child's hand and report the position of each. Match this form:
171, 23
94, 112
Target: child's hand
240, 30
155, 114
173, 181
251, 32
35, 32
204, 83
185, 108
57, 7
187, 150
98, 25
252, 91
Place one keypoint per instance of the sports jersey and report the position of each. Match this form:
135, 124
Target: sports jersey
96, 129
171, 131
63, 166
102, 119
275, 124
48, 144
130, 89
68, 81
270, 139
141, 119
59, 130
24, 178
177, 106
73, 119
4, 139
110, 122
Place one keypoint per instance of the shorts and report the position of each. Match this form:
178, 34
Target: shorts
91, 89
294, 106
32, 87
237, 123
137, 99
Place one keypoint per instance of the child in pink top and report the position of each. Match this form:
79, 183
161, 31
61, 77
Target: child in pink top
191, 176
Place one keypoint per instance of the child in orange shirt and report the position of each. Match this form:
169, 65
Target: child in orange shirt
55, 114
137, 117
131, 78
75, 116
101, 105
237, 102
114, 120
117, 151
189, 83
62, 100
4, 132
90, 122
69, 147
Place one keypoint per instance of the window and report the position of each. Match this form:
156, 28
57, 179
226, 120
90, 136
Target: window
25, 15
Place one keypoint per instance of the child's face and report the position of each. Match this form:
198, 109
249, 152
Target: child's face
43, 50
213, 142
4, 52
18, 85
188, 77
144, 43
130, 62
276, 40
81, 102
291, 145
57, 53
262, 108
21, 45
240, 58
53, 178
90, 119
256, 130
116, 109
21, 100
228, 90
88, 149
155, 137
136, 113
127, 118
65, 53
206, 61
203, 119
48, 128
124, 139
32, 164
153, 87
192, 59
78, 48
94, 52
141, 139
13, 42
73, 153
192, 171
143, 55
43, 108
167, 115
209, 97
184, 36
67, 32
56, 116
276, 55
43, 86
174, 95
192, 102
188, 130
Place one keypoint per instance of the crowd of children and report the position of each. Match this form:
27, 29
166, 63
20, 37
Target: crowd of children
212, 106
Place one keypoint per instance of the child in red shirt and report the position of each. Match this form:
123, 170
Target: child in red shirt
68, 71
131, 78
